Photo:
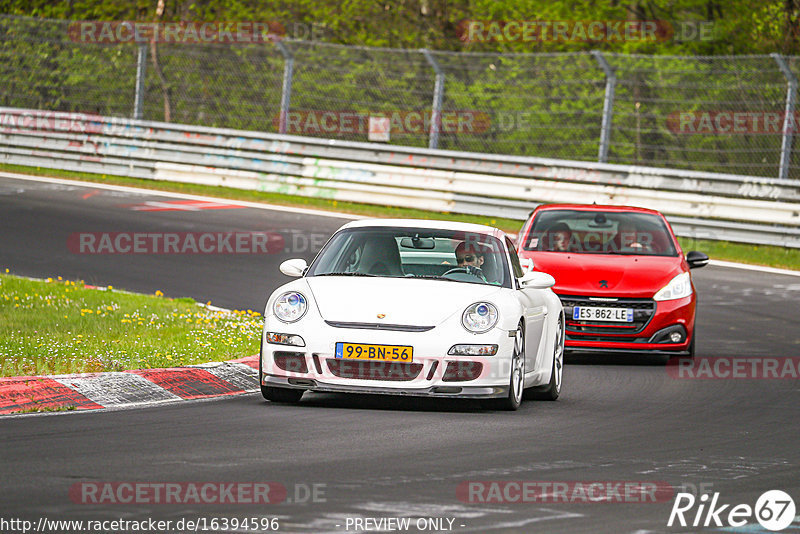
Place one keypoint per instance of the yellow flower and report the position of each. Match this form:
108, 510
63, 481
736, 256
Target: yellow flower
159, 293
110, 287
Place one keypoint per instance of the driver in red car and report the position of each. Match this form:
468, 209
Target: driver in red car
558, 238
629, 239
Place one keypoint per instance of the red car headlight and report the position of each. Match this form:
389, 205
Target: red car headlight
677, 288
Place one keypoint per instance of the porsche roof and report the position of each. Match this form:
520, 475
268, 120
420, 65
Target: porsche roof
424, 223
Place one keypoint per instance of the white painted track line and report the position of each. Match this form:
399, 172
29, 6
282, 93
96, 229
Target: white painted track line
129, 189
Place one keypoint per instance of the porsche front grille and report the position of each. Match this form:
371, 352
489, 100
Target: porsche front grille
365, 370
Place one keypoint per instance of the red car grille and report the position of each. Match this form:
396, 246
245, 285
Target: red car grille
643, 312
364, 370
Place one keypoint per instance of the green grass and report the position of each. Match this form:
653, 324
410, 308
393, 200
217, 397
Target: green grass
58, 327
36, 409
785, 258
721, 250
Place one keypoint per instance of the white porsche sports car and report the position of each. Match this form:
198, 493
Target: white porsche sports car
414, 307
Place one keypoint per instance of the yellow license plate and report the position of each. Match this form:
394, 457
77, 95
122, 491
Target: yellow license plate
379, 353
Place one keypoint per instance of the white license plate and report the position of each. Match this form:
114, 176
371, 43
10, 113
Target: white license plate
619, 315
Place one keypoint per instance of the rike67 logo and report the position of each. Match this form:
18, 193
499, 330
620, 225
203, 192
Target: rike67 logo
774, 511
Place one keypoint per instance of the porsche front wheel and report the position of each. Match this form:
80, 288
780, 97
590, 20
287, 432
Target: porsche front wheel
273, 394
281, 395
517, 375
553, 389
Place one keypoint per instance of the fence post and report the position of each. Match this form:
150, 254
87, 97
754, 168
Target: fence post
141, 65
608, 106
286, 92
438, 96
789, 123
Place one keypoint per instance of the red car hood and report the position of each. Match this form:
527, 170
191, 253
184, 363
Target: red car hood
625, 276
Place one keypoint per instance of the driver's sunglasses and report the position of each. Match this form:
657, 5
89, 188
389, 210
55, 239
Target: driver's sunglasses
468, 258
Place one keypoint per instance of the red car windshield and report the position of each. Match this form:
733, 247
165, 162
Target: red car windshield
600, 232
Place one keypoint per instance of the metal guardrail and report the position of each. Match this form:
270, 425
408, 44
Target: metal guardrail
701, 205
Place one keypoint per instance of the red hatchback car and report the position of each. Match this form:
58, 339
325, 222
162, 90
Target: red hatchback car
621, 276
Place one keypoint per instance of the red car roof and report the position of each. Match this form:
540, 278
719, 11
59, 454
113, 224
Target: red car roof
596, 207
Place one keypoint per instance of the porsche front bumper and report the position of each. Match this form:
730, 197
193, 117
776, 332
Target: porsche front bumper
432, 373
474, 392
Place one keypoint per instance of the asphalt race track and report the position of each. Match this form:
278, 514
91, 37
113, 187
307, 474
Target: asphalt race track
619, 420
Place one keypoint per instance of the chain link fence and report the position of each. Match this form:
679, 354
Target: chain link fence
720, 114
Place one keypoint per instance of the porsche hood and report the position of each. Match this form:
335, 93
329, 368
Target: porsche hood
400, 301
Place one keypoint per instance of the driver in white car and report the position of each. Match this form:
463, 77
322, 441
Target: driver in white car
471, 257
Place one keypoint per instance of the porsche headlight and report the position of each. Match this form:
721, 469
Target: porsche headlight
479, 317
678, 287
290, 306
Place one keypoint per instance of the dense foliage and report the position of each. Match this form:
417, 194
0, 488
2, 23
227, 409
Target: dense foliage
739, 26
541, 97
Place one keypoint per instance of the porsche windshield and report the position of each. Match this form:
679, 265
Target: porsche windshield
599, 232
455, 256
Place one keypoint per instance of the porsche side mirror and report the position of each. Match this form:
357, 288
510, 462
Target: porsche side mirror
537, 280
696, 259
293, 267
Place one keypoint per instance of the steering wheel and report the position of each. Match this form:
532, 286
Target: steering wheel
471, 270
457, 270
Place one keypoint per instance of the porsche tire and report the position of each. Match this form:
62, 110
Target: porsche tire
516, 384
273, 394
552, 390
281, 395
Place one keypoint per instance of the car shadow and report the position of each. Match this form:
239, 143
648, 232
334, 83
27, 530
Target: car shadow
612, 358
391, 402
